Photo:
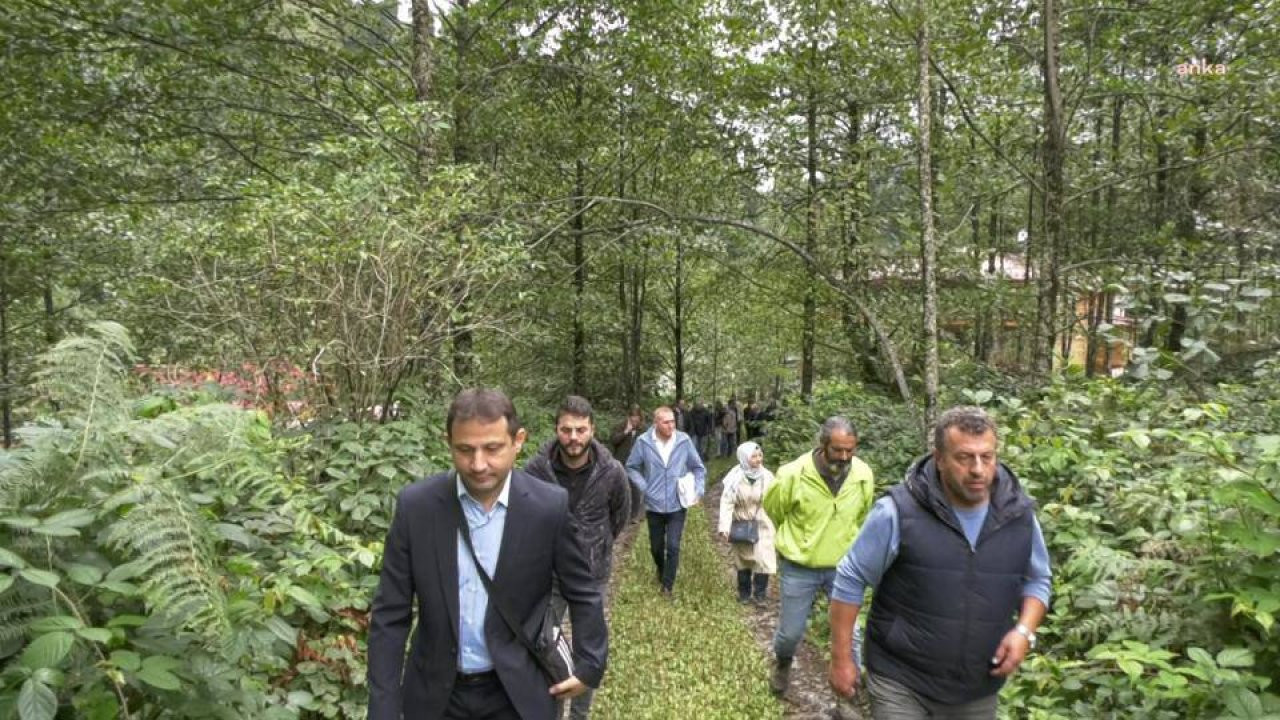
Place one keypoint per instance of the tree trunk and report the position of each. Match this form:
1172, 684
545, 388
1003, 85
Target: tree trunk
578, 372
808, 335
678, 325
461, 318
850, 239
6, 386
1093, 306
1049, 286
928, 240
1185, 230
422, 71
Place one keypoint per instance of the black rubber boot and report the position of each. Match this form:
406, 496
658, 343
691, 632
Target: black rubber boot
761, 582
744, 586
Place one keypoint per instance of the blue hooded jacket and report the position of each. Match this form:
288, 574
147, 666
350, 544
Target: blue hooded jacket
658, 481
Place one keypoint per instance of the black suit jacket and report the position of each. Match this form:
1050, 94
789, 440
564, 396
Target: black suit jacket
420, 561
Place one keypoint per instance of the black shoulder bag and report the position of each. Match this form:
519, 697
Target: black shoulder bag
551, 651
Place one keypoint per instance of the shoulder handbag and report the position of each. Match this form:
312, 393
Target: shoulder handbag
745, 532
550, 650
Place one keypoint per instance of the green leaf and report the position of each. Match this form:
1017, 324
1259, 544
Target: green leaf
126, 621
159, 678
304, 596
161, 662
282, 630
48, 650
43, 578
98, 635
52, 623
1132, 668
302, 699
237, 535
125, 571
84, 574
6, 580
1235, 657
21, 522
11, 559
1199, 656
65, 524
126, 660
36, 701
1243, 704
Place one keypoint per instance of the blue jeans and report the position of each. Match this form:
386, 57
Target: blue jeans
665, 531
799, 589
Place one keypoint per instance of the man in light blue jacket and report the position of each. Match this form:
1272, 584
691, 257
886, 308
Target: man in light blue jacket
659, 459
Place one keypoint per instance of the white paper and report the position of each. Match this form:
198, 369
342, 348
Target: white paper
687, 490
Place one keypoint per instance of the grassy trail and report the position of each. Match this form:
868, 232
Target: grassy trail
691, 657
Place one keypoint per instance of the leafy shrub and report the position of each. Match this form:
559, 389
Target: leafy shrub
888, 438
157, 562
1160, 509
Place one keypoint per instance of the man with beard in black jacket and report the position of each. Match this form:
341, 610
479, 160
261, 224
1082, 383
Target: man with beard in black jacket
599, 498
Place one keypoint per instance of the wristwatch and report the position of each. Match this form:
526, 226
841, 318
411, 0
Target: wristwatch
1025, 632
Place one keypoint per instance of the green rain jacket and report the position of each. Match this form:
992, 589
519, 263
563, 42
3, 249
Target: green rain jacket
815, 529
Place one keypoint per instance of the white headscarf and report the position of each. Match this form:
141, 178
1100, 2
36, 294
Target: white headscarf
745, 451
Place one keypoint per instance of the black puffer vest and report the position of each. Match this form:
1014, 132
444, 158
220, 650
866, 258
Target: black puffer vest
941, 608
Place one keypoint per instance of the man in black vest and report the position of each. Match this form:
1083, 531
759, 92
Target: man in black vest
961, 577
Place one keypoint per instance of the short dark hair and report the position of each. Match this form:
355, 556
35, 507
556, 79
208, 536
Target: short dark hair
833, 424
969, 419
485, 405
577, 406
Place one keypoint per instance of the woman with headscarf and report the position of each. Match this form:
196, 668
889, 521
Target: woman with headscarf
744, 486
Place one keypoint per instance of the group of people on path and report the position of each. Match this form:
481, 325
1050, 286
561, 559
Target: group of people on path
716, 430
954, 553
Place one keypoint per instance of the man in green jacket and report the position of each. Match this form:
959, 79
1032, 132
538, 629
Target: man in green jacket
817, 506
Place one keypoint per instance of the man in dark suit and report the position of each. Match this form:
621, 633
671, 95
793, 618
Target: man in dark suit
463, 661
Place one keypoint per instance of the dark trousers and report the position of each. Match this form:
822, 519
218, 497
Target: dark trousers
729, 444
700, 442
665, 531
579, 707
480, 698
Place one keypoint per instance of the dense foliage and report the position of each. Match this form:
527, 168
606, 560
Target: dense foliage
362, 206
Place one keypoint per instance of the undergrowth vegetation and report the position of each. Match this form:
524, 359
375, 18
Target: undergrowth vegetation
1161, 508
167, 555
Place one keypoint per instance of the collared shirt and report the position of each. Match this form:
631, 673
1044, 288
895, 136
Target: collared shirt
473, 599
877, 547
664, 447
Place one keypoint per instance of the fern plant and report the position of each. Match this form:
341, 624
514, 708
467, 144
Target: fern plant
112, 594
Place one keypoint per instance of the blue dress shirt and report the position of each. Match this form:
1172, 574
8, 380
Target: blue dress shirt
473, 599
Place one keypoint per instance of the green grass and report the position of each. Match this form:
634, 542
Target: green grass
693, 657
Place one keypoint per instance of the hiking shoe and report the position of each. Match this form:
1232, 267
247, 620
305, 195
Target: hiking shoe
780, 678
